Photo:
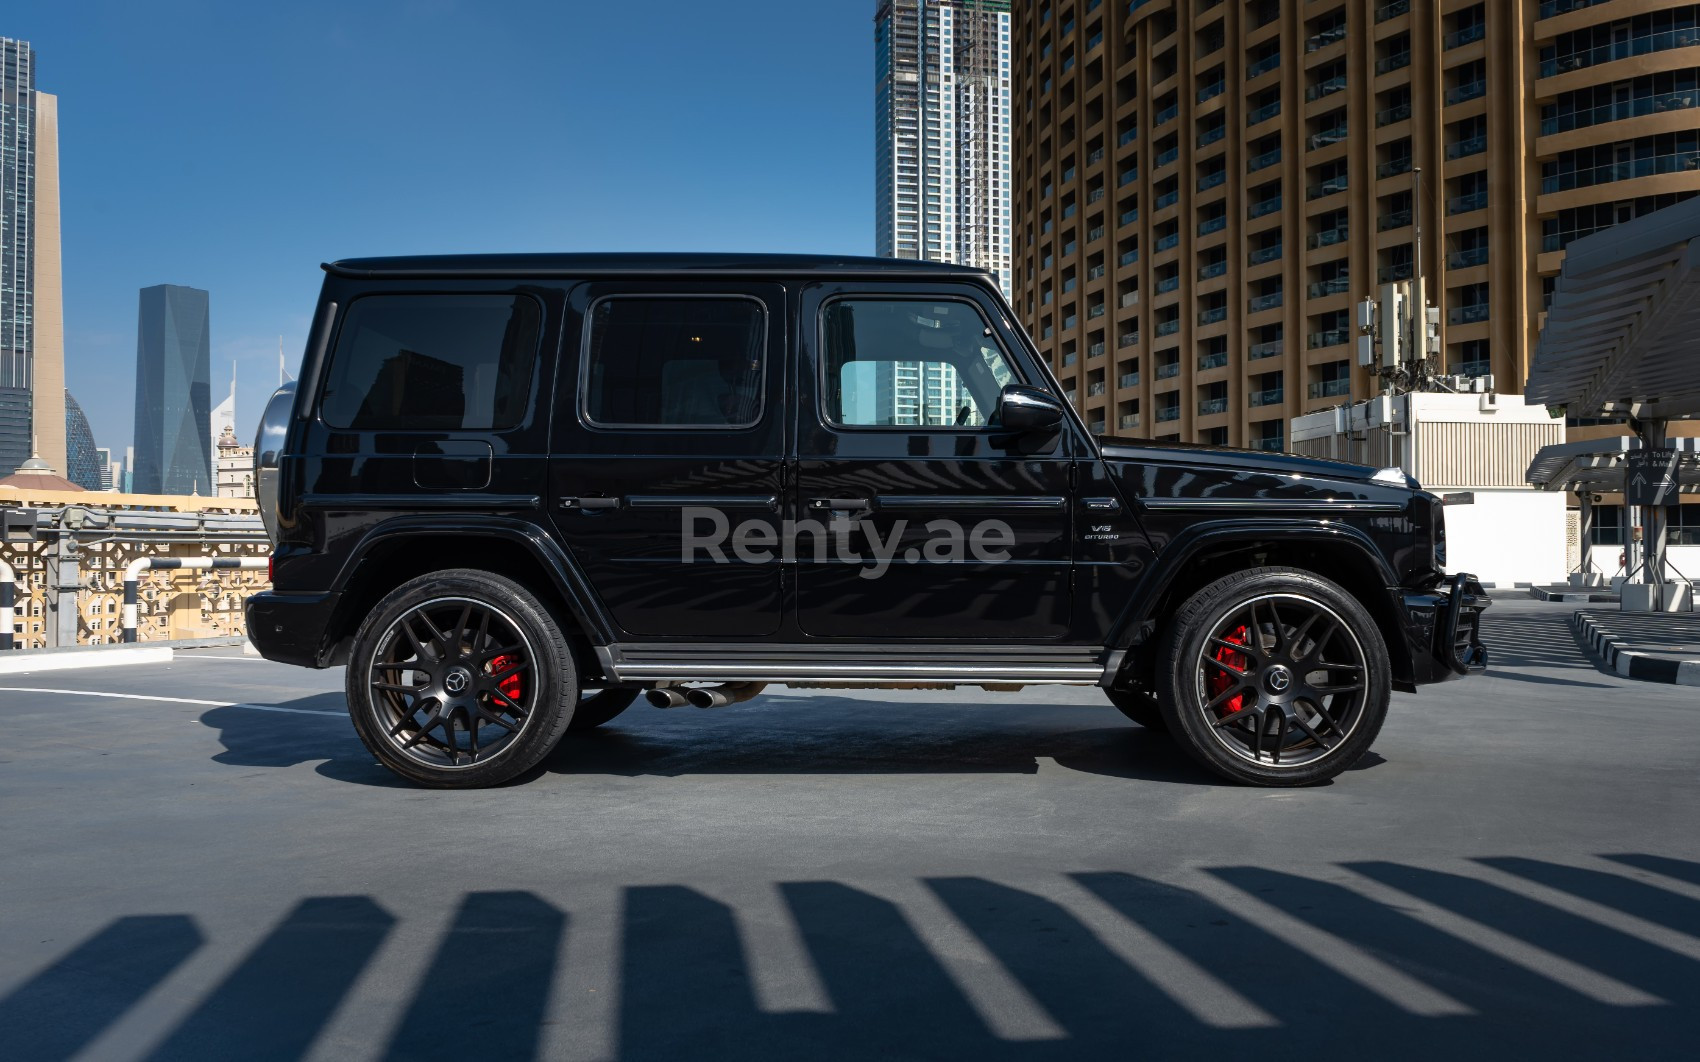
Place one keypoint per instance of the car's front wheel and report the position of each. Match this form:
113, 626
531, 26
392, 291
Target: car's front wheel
460, 679
1274, 677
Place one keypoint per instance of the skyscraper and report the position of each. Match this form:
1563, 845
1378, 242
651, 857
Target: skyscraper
84, 464
173, 393
941, 121
32, 353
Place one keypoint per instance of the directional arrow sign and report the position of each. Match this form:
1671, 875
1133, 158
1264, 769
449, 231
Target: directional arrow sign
1650, 477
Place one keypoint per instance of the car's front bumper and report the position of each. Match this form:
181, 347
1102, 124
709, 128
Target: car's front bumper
1443, 629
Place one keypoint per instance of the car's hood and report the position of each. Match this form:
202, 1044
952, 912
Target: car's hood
1227, 457
1194, 476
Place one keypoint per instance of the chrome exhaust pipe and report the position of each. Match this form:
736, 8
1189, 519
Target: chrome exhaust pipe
722, 695
666, 697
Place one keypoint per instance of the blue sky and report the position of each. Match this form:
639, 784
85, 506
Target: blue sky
234, 147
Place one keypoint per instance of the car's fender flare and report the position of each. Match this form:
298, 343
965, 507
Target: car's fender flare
569, 580
1213, 535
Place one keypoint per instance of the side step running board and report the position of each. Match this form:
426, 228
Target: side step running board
862, 664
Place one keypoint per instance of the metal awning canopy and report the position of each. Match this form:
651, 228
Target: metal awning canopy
1598, 465
1622, 336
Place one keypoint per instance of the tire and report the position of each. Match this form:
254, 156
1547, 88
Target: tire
1295, 703
596, 707
461, 679
1141, 707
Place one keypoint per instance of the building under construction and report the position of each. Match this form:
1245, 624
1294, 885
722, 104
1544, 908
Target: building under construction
942, 132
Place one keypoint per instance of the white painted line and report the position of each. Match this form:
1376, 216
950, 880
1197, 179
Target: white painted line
1537, 960
1193, 988
170, 700
1355, 963
19, 664
1002, 1002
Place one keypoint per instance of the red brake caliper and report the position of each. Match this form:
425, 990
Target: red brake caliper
511, 686
1219, 681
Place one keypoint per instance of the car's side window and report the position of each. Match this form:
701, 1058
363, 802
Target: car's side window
904, 363
433, 363
674, 362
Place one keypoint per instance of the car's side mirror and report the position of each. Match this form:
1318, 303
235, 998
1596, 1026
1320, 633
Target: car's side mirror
1029, 411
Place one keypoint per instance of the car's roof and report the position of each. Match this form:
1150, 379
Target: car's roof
582, 264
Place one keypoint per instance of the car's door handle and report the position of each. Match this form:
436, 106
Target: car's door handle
590, 503
857, 504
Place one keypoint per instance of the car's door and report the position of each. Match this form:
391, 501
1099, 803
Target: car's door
937, 525
669, 444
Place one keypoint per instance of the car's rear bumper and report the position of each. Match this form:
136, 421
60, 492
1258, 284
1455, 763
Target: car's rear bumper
1443, 629
291, 627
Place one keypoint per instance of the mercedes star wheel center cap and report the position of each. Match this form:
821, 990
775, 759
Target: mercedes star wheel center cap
457, 680
1278, 679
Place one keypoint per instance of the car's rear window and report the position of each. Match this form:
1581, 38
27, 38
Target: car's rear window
433, 363
675, 362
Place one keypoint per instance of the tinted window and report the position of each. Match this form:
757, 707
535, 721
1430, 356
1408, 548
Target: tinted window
903, 362
433, 363
674, 362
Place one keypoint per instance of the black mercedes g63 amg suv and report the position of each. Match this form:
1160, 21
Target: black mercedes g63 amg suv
511, 493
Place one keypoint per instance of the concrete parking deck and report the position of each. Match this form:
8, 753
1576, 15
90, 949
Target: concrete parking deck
200, 861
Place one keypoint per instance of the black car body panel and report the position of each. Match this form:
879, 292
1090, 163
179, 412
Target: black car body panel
1103, 532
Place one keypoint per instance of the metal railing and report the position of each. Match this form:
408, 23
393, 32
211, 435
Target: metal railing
1272, 396
1625, 48
1463, 204
1260, 255
1327, 87
1331, 388
1396, 113
1469, 90
1467, 35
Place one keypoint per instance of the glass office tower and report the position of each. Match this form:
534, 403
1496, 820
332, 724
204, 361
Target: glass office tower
17, 248
173, 393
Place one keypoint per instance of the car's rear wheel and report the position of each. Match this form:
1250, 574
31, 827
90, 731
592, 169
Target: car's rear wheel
460, 679
1274, 677
1140, 706
596, 707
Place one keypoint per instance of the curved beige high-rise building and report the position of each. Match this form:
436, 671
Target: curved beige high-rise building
1203, 190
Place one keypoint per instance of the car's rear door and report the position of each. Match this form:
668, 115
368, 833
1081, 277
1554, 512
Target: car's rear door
669, 443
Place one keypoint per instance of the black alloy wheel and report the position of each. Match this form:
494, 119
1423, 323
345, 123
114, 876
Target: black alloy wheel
1275, 677
460, 679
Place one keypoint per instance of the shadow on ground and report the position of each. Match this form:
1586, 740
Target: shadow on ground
686, 984
1544, 639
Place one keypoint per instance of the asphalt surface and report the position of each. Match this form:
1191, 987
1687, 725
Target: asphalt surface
1513, 872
